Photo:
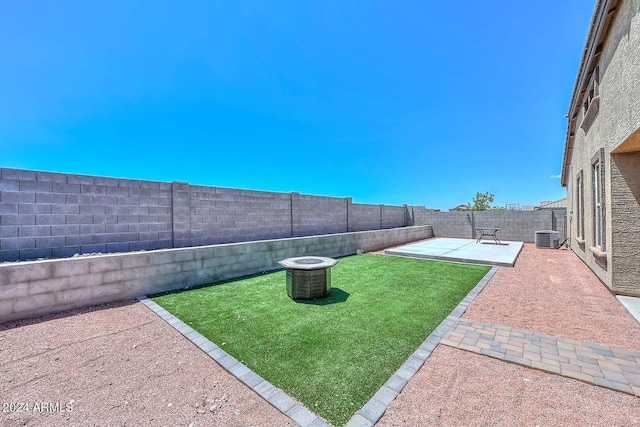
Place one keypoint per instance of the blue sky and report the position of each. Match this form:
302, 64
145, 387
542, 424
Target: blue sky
417, 102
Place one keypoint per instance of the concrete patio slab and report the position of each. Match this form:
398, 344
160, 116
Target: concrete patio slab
632, 304
462, 250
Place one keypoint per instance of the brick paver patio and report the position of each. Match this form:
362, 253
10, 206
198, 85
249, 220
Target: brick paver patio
614, 368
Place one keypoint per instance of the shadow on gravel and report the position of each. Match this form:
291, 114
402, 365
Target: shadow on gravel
74, 312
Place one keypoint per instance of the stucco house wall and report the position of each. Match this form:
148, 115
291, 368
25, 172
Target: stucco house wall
604, 130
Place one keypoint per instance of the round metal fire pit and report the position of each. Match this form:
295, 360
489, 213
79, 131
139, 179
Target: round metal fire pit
308, 277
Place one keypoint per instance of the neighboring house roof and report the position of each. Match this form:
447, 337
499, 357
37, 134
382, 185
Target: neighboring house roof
600, 25
460, 208
557, 204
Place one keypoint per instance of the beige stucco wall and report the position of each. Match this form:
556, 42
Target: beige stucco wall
614, 129
625, 223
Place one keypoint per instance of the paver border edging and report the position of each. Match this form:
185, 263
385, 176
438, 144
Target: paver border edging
373, 410
366, 416
272, 394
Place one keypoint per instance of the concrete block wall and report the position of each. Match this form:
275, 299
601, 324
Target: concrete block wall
35, 288
365, 217
516, 225
315, 215
51, 215
180, 219
559, 222
393, 216
56, 215
368, 217
448, 224
225, 215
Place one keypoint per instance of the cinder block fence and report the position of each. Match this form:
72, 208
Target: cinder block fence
190, 235
34, 288
44, 215
519, 226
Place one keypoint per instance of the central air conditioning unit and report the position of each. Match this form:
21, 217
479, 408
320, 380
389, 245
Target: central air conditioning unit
547, 239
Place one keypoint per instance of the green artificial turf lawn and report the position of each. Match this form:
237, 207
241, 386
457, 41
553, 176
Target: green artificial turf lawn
331, 354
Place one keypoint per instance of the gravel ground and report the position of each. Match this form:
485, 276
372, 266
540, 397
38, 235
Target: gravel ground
118, 365
548, 291
457, 388
121, 365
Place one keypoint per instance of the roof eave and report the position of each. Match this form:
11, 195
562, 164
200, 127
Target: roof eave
598, 30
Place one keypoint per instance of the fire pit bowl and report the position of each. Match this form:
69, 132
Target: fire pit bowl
308, 277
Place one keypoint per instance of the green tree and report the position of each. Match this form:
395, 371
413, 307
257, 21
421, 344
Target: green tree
482, 202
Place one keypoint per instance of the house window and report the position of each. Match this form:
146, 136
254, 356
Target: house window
597, 204
580, 204
599, 200
591, 100
592, 90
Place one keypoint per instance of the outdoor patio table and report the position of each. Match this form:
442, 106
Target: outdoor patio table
489, 232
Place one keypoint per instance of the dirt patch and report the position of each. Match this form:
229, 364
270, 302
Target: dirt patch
458, 388
117, 365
